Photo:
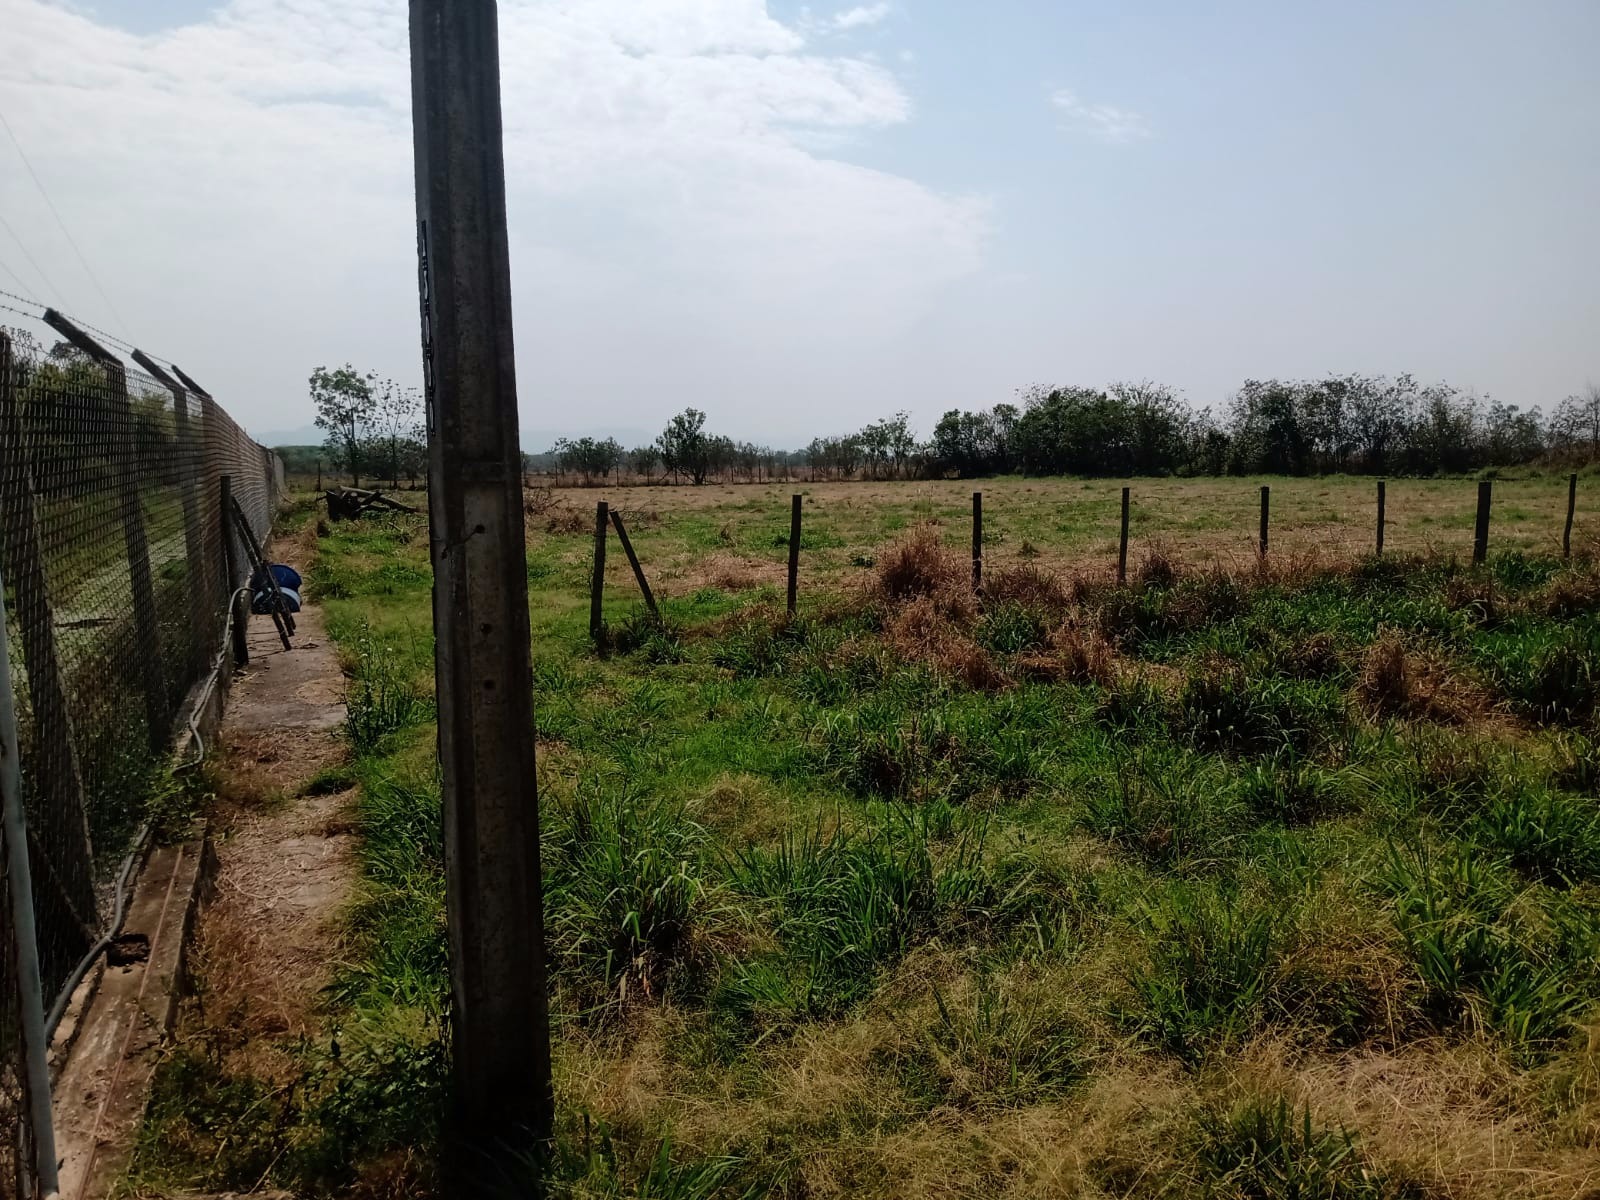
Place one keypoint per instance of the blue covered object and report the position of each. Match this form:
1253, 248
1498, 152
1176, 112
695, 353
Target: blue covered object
263, 601
286, 576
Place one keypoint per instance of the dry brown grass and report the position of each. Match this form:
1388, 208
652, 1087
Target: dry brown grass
1452, 1114
1027, 585
1398, 682
924, 631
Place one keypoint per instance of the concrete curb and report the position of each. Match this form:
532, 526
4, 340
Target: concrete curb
116, 1038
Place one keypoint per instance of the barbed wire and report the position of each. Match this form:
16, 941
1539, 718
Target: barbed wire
125, 346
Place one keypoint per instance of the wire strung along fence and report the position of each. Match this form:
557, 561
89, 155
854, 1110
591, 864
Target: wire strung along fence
120, 570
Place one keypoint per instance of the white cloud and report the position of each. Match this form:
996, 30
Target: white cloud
861, 16
243, 186
1103, 122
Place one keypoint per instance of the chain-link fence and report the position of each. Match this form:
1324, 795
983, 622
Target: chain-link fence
119, 562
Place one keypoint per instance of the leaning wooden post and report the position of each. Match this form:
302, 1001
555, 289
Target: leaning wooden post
633, 561
794, 552
1480, 536
1266, 504
502, 1095
1122, 542
1572, 507
147, 629
597, 584
58, 784
1380, 517
977, 543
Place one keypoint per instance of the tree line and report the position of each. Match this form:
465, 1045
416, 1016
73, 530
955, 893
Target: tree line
1342, 423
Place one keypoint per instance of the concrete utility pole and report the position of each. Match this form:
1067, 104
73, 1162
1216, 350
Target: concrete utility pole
501, 1034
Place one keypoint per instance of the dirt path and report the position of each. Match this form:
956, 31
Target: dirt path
268, 939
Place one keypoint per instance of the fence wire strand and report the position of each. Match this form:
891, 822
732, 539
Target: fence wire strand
117, 578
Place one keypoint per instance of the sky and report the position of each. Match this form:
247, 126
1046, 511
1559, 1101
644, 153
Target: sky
800, 218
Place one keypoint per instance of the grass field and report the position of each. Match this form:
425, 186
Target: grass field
1246, 881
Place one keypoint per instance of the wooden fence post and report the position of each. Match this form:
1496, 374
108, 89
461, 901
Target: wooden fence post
1122, 542
1480, 536
1266, 501
977, 543
597, 583
1572, 507
633, 561
794, 552
1380, 517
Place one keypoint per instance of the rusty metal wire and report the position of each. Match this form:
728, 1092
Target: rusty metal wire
118, 567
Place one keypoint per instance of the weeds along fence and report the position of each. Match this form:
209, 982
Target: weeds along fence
119, 574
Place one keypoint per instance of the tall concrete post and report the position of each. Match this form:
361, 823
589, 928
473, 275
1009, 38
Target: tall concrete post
501, 1034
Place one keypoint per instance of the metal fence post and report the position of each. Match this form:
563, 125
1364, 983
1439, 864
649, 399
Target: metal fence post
239, 630
1480, 535
30, 979
500, 1039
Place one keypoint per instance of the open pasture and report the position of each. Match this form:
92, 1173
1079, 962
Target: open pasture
1239, 880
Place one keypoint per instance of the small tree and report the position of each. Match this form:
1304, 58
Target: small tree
345, 404
1578, 421
644, 460
394, 417
684, 446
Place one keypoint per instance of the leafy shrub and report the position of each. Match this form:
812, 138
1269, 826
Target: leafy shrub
1170, 810
1224, 707
1012, 628
1287, 788
989, 1048
654, 639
